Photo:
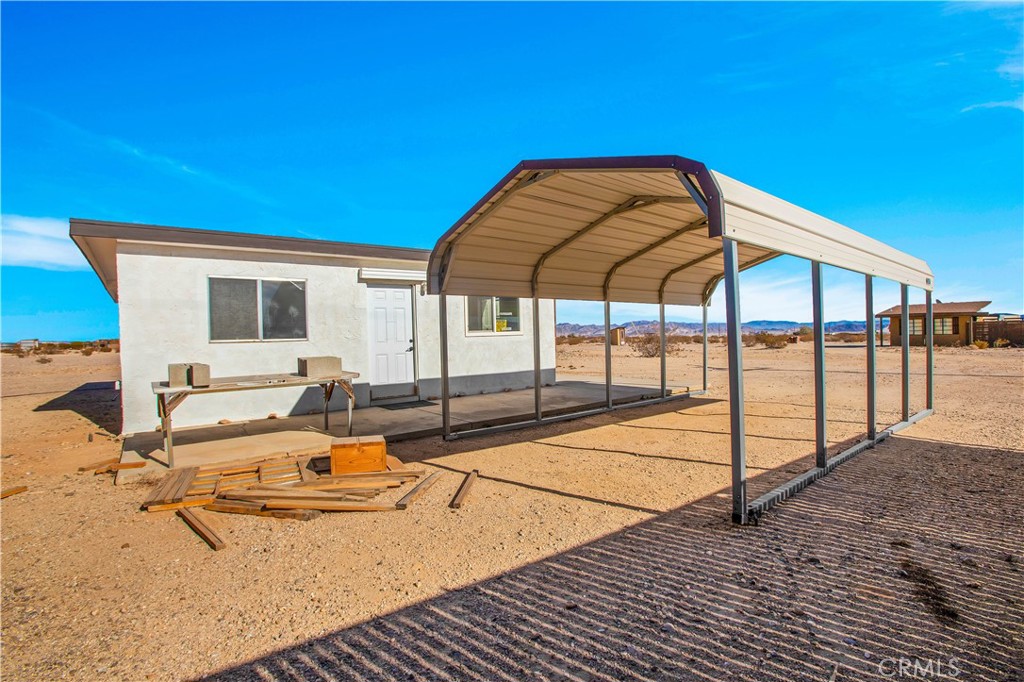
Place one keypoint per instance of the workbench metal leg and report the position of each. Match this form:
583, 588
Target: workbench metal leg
351, 393
328, 389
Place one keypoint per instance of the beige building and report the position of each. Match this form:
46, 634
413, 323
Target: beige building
954, 322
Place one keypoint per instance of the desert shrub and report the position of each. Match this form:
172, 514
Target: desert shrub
43, 359
106, 349
679, 339
775, 341
751, 340
697, 338
1001, 343
716, 339
570, 340
647, 345
981, 344
87, 352
804, 331
806, 338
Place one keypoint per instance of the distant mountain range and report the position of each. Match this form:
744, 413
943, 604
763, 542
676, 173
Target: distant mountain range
638, 327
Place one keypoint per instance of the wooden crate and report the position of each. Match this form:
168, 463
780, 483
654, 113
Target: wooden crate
358, 454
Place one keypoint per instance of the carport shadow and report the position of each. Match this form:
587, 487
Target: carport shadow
894, 555
97, 401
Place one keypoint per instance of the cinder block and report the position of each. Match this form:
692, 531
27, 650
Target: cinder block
198, 375
177, 375
358, 454
320, 366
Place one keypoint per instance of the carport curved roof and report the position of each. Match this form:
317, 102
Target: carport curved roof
645, 229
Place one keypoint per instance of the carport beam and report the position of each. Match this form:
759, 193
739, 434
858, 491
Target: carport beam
608, 353
536, 360
929, 341
664, 372
869, 339
704, 335
446, 408
905, 343
820, 435
736, 407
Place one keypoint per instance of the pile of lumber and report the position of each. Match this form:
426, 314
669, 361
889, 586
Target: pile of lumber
288, 488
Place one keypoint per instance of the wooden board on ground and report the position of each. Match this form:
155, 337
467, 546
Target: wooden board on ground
119, 466
199, 501
13, 491
256, 509
100, 464
463, 493
394, 464
202, 528
420, 488
326, 505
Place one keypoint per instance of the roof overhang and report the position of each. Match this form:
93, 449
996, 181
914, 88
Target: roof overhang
644, 229
98, 241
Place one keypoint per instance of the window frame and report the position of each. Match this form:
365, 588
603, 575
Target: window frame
916, 323
259, 308
937, 326
494, 317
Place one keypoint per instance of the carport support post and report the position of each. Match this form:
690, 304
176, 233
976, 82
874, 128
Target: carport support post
820, 442
736, 408
664, 372
869, 310
536, 359
929, 341
608, 353
905, 342
704, 334
446, 410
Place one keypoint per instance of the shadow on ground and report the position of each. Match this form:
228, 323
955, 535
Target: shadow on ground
912, 550
97, 401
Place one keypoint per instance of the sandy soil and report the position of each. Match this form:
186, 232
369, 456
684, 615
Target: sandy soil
592, 549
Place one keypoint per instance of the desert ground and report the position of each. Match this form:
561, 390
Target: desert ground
594, 549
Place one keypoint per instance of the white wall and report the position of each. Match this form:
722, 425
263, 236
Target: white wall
164, 317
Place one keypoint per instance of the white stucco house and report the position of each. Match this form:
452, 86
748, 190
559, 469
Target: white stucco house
253, 304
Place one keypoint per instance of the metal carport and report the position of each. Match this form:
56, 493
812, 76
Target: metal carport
665, 230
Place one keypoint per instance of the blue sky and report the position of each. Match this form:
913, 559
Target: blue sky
903, 121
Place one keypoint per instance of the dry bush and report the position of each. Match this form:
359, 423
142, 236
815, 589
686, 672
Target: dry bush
43, 359
570, 340
716, 339
751, 340
776, 342
647, 345
106, 349
850, 337
697, 338
981, 344
806, 338
1001, 343
87, 352
679, 339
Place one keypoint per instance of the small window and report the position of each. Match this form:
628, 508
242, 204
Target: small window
257, 309
492, 315
916, 326
943, 325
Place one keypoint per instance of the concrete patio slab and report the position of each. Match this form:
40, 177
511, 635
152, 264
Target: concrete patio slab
303, 435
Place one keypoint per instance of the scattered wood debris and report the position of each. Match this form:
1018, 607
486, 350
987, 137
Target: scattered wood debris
118, 466
287, 488
463, 493
202, 528
99, 465
13, 491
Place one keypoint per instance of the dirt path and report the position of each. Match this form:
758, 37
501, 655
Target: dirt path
601, 543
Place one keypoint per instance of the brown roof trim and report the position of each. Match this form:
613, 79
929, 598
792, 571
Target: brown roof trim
82, 227
952, 308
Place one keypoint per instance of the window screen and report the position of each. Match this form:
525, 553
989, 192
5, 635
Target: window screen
508, 315
284, 309
233, 312
480, 313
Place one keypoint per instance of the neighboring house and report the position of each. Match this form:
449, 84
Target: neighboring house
28, 344
253, 304
953, 322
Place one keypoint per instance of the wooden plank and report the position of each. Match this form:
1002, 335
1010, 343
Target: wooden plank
160, 490
202, 529
118, 466
349, 485
305, 471
184, 483
100, 464
198, 501
13, 491
326, 505
395, 464
463, 493
263, 494
243, 467
256, 509
420, 488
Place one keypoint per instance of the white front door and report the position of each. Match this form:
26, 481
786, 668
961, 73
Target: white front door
392, 368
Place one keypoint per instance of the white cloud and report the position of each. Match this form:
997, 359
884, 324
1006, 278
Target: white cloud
39, 243
1017, 104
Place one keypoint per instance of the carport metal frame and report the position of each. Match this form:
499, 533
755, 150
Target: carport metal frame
704, 191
